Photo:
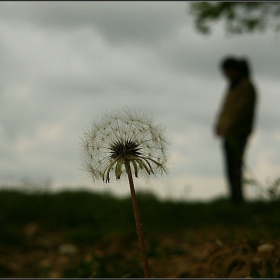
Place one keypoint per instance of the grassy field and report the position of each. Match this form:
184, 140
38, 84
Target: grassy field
89, 220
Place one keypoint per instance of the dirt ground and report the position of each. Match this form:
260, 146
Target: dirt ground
188, 255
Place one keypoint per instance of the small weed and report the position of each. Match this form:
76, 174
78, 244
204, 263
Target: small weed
271, 190
269, 272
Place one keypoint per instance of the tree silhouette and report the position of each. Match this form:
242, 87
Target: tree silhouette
239, 17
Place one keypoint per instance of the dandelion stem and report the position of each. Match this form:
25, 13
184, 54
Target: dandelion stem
138, 221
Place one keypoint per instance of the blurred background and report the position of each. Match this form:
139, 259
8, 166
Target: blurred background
64, 63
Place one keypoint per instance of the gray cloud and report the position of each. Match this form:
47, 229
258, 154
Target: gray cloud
64, 63
117, 21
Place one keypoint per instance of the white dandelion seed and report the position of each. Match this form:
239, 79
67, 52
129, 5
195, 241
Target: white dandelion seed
120, 137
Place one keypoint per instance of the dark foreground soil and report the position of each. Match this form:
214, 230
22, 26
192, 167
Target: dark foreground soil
202, 253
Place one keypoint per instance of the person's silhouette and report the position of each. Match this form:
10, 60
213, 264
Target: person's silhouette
235, 121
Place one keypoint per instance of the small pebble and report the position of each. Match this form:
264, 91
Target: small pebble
266, 248
67, 249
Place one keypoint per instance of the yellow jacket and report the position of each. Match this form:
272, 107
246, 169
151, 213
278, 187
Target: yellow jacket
236, 116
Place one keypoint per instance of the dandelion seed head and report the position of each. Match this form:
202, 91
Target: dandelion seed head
120, 137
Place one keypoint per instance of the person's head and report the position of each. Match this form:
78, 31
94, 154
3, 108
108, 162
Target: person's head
244, 67
234, 68
231, 68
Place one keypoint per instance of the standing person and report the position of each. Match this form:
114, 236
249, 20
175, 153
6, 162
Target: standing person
235, 121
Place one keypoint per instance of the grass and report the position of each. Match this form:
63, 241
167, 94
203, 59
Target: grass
106, 213
88, 218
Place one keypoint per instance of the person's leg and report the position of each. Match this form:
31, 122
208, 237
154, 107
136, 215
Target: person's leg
229, 158
234, 150
241, 145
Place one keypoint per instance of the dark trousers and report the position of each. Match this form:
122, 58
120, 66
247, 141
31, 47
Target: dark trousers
234, 148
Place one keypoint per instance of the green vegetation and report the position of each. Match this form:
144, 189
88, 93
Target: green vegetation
104, 226
269, 272
106, 213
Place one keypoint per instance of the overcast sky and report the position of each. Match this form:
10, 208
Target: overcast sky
65, 63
